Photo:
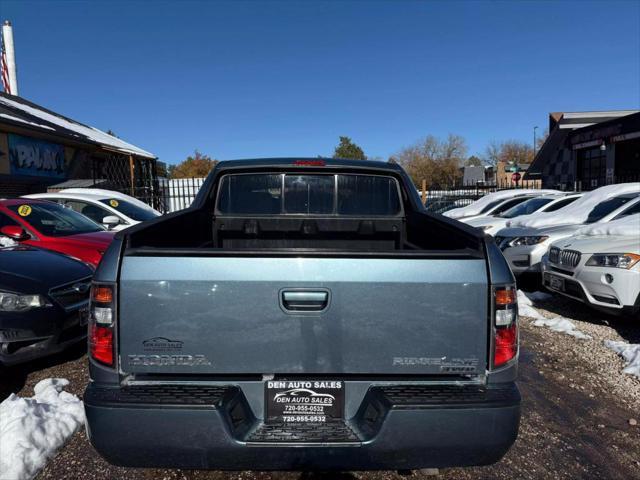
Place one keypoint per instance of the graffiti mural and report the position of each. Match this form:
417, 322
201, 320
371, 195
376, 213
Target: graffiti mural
29, 156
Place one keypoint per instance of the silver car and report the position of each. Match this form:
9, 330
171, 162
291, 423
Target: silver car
524, 247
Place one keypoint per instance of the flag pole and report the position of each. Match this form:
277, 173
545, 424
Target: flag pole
10, 54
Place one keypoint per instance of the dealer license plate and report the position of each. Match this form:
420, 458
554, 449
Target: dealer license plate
304, 401
556, 283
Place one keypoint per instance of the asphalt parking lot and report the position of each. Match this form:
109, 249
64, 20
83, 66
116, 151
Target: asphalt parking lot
578, 411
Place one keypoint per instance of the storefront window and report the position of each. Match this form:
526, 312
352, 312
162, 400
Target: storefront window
592, 167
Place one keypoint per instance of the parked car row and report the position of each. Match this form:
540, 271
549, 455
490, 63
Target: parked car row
50, 246
571, 242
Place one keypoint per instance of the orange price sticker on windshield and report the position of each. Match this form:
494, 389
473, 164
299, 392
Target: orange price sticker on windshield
113, 203
24, 210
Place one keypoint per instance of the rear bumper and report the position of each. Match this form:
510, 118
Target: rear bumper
397, 427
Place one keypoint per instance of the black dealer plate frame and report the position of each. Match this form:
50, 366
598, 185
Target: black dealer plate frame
304, 401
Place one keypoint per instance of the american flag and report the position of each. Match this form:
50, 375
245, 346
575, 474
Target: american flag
3, 67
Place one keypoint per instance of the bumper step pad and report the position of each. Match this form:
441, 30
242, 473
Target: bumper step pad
330, 432
176, 394
426, 396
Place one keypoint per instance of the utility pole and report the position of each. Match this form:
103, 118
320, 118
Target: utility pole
534, 140
10, 53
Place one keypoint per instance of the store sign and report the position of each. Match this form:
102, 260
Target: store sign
597, 134
30, 156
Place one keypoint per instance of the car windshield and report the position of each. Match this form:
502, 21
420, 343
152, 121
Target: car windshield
605, 208
262, 194
491, 205
508, 205
54, 220
525, 208
129, 209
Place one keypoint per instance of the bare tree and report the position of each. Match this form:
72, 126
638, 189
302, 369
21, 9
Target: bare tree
492, 153
508, 151
434, 160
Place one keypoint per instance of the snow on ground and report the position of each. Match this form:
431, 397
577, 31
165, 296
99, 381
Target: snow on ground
562, 325
625, 226
631, 354
476, 207
578, 211
33, 429
557, 324
7, 242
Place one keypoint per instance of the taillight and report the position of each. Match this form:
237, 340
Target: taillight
102, 318
505, 325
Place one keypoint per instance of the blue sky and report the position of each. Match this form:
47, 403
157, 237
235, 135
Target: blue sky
255, 79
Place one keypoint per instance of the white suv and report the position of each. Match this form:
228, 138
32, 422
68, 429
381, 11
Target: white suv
602, 271
524, 247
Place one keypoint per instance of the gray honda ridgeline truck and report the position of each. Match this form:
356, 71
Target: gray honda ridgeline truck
303, 314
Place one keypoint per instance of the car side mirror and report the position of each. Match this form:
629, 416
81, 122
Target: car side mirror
15, 232
111, 221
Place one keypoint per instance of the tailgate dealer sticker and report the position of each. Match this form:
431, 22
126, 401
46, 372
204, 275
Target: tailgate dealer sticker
304, 401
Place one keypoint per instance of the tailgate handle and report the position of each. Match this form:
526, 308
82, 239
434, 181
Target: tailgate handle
305, 301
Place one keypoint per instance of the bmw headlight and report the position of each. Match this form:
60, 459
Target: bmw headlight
613, 260
534, 240
13, 302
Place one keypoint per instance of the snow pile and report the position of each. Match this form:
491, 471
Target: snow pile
625, 226
476, 207
32, 429
78, 129
525, 306
578, 211
557, 324
631, 354
562, 325
7, 242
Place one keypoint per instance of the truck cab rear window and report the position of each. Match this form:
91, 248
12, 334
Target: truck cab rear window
342, 194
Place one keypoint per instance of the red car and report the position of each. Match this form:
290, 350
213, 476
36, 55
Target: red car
48, 225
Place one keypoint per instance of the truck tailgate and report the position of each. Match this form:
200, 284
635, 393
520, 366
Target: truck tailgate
251, 315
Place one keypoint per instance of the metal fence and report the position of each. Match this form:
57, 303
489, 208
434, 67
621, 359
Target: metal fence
440, 198
178, 193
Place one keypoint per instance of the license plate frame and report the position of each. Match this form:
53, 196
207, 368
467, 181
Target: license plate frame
304, 401
556, 283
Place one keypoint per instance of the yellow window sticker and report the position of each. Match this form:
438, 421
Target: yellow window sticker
24, 210
113, 203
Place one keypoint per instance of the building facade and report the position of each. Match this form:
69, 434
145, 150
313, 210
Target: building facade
586, 150
40, 149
